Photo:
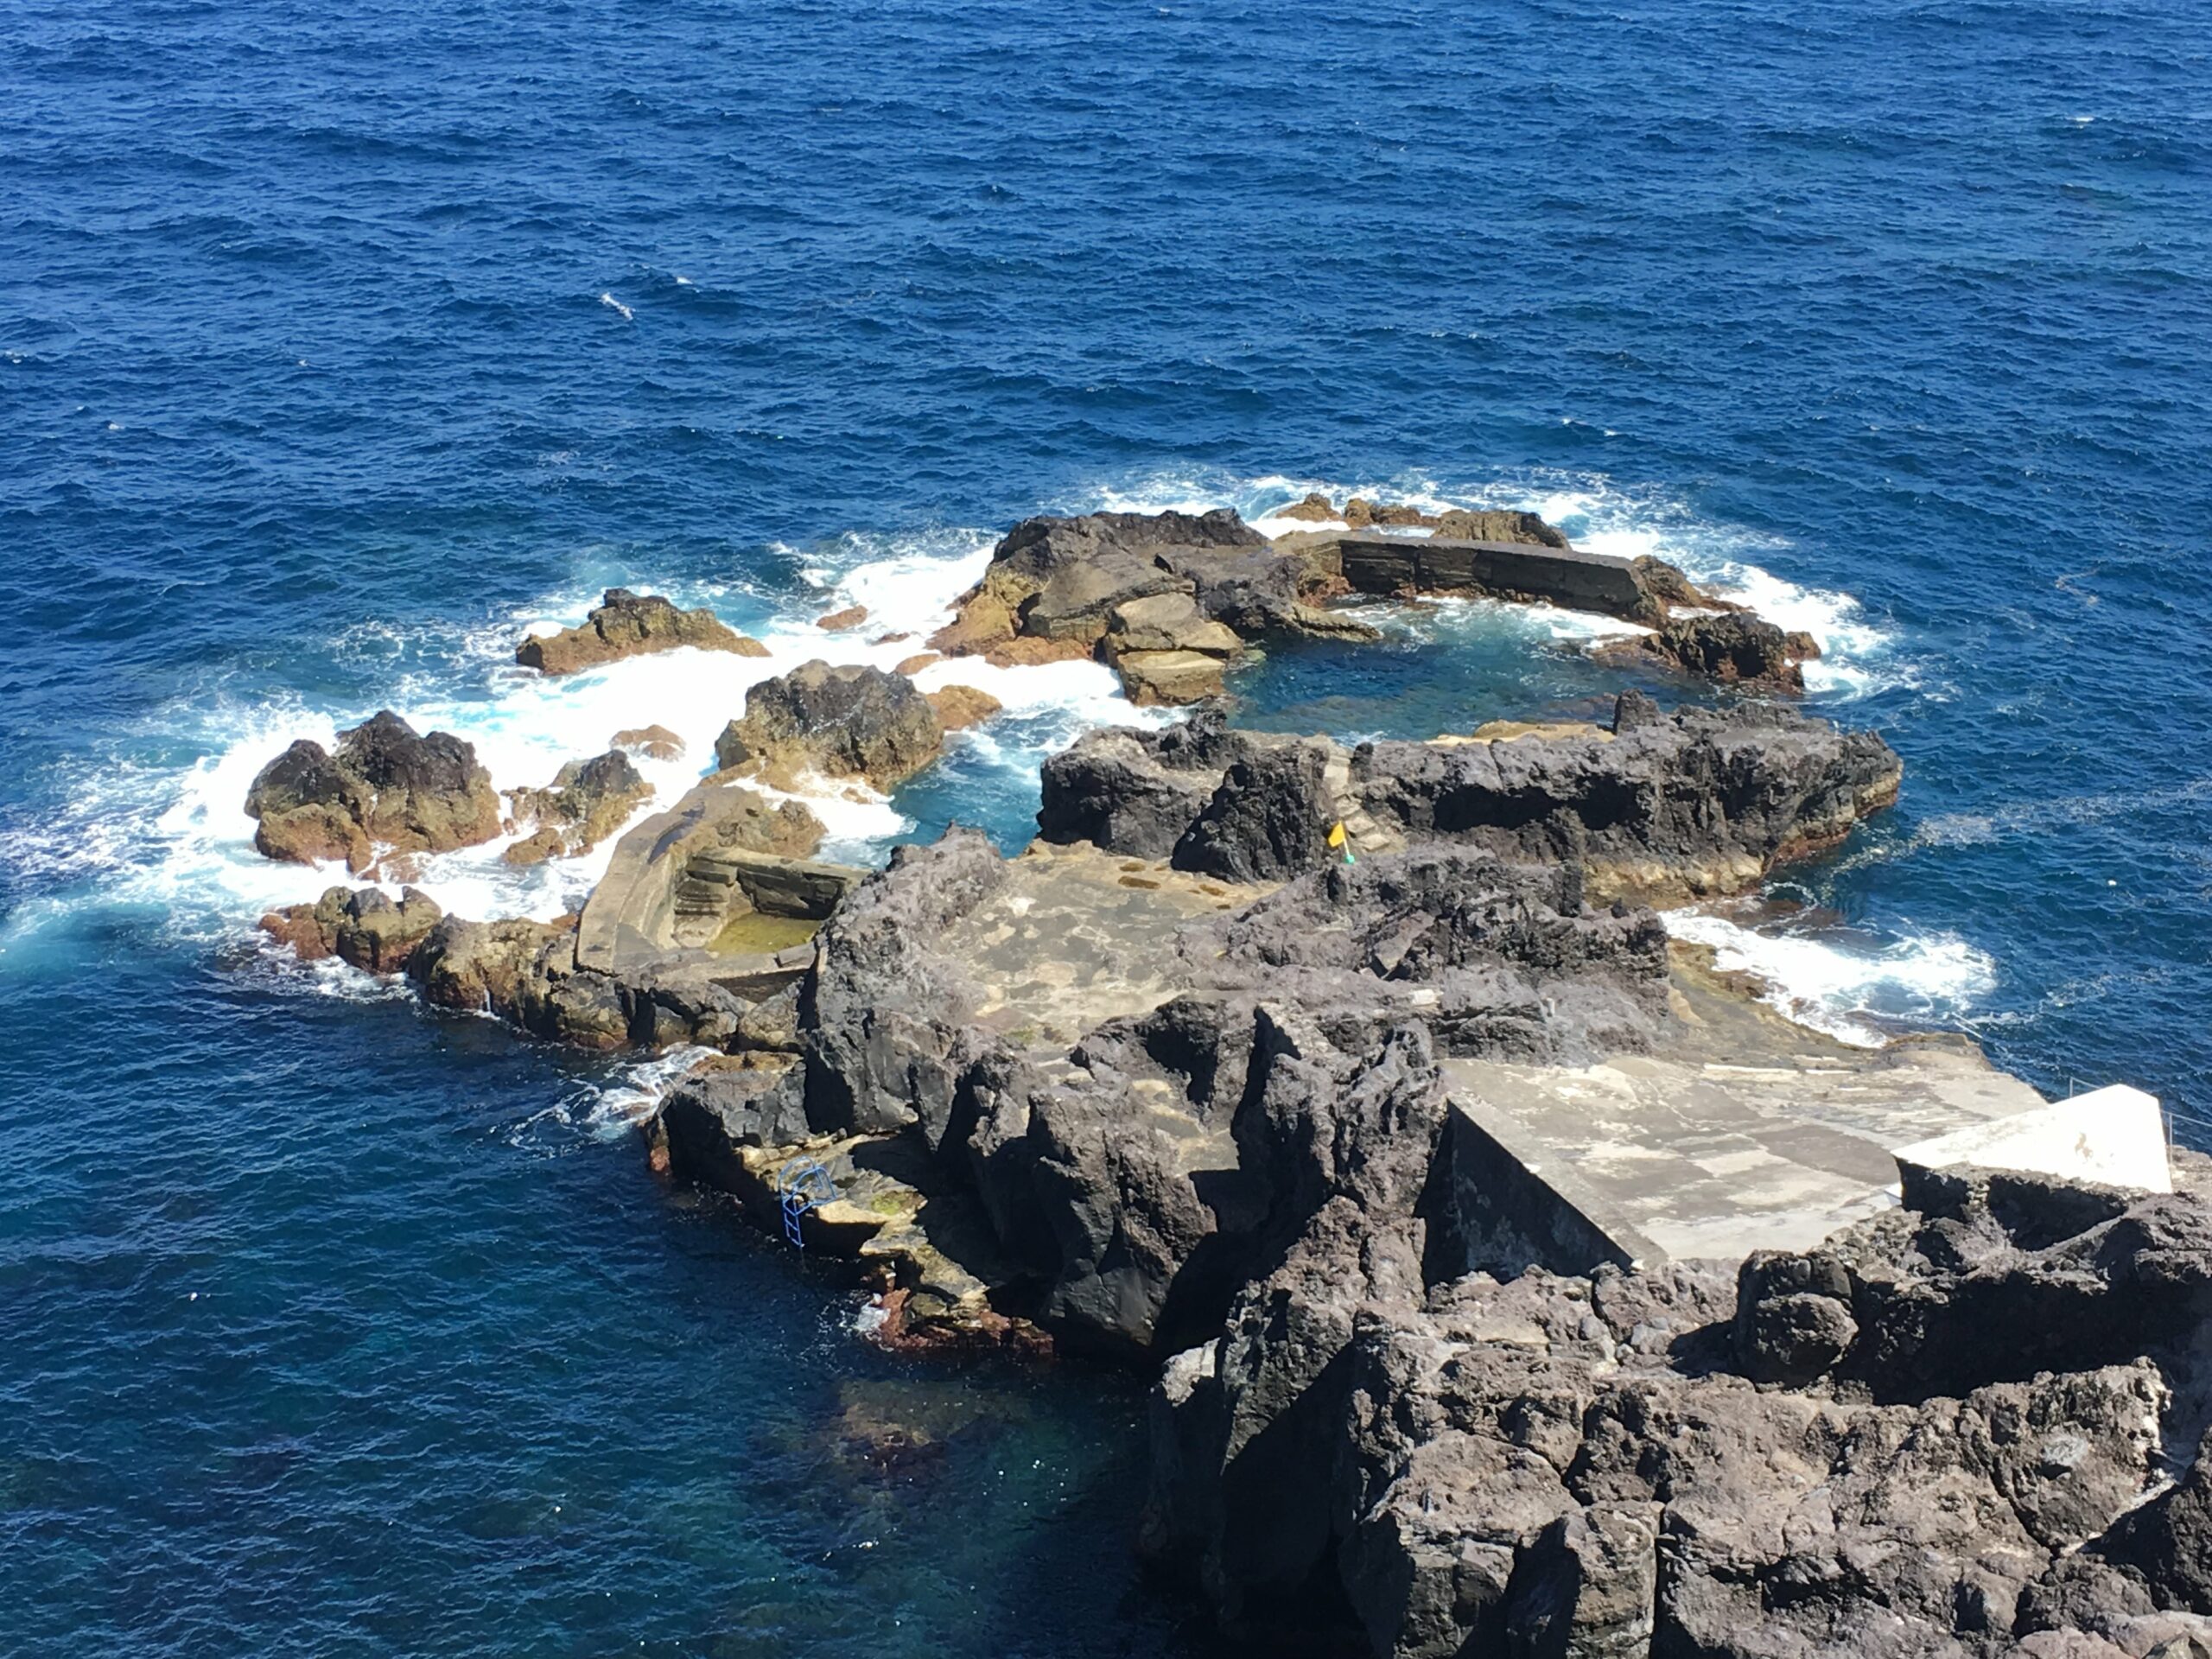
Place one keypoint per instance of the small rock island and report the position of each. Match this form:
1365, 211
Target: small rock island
1512, 1282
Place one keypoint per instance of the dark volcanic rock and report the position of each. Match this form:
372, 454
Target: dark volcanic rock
1737, 648
710, 1113
852, 721
1138, 792
1665, 807
385, 790
1269, 819
625, 624
1571, 1465
1495, 960
884, 1015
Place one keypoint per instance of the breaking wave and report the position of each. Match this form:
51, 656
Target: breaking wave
1855, 988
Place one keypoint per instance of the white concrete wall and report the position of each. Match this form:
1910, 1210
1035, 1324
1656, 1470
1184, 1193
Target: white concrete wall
2114, 1136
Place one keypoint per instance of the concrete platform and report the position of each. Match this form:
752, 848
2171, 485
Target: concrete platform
1748, 1132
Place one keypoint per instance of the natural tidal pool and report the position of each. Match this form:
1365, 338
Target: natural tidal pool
341, 345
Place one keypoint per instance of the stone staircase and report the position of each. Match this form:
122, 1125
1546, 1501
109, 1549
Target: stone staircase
704, 890
1365, 834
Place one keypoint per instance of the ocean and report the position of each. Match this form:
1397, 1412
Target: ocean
342, 346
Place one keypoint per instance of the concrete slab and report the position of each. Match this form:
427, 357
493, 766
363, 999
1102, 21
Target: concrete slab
1746, 1132
2114, 1136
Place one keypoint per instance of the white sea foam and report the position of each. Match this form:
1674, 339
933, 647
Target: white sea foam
178, 841
1848, 986
608, 299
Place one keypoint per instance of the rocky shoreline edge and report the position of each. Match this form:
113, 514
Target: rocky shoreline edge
1512, 1284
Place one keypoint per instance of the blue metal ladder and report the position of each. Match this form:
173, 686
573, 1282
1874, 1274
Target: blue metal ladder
802, 1187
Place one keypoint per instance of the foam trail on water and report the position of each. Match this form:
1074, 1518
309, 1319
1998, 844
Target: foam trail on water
1849, 990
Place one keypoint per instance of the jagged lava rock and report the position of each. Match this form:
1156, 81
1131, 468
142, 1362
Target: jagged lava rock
587, 802
1735, 649
1661, 808
1578, 1465
850, 721
386, 789
624, 624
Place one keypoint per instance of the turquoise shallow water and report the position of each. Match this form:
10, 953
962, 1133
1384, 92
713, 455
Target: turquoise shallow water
337, 345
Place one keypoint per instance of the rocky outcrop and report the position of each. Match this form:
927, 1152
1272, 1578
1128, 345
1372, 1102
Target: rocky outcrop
654, 742
1661, 807
1168, 600
587, 802
1586, 1465
385, 790
1129, 1177
837, 621
363, 926
625, 624
959, 707
850, 721
1734, 649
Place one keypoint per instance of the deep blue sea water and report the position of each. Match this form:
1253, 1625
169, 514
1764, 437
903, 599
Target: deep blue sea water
338, 344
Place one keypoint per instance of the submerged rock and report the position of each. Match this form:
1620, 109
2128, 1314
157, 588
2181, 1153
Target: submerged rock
386, 790
624, 624
850, 721
654, 742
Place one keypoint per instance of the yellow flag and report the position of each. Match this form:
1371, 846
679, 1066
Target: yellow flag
1337, 833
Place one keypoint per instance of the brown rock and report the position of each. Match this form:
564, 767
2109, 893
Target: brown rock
1360, 513
386, 790
851, 617
585, 803
1153, 678
631, 624
1316, 508
1494, 525
655, 742
1166, 622
921, 660
959, 707
1030, 653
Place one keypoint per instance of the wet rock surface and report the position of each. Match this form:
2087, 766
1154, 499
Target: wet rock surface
385, 790
624, 624
587, 802
849, 721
